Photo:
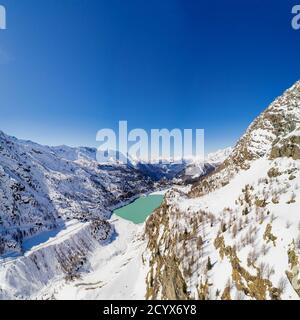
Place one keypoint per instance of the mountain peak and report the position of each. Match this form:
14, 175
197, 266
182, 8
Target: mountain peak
270, 135
278, 120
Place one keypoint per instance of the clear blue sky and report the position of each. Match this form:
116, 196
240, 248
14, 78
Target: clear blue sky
71, 67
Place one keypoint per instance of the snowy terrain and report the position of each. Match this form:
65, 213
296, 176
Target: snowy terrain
43, 187
55, 207
224, 231
55, 203
116, 270
221, 213
236, 233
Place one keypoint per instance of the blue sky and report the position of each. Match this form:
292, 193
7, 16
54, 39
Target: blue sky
71, 67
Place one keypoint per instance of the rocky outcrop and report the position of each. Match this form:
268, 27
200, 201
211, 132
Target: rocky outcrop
287, 147
165, 280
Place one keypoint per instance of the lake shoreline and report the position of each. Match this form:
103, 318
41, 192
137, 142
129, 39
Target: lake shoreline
140, 209
134, 198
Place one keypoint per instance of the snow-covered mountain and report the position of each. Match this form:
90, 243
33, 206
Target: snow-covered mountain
55, 205
186, 170
174, 171
219, 156
235, 234
198, 168
43, 187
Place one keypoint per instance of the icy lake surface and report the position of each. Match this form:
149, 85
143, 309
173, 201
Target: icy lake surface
140, 209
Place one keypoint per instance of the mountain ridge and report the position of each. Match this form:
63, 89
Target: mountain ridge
235, 233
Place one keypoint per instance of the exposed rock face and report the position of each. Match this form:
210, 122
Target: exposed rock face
165, 278
227, 236
289, 146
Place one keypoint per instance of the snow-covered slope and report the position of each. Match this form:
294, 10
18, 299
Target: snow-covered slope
42, 187
42, 190
115, 271
219, 156
64, 255
236, 233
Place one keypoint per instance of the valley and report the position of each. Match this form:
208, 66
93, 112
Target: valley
228, 228
55, 216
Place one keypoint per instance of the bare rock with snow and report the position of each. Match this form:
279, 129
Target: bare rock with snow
235, 234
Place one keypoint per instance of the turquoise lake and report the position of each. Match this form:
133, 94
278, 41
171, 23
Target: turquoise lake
140, 209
